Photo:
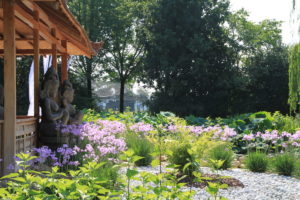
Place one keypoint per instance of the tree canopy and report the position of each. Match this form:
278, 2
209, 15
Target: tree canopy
199, 56
203, 59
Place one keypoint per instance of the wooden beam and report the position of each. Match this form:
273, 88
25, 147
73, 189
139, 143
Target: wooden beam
23, 39
36, 45
30, 51
58, 21
64, 29
10, 108
81, 46
64, 62
18, 34
44, 17
54, 50
28, 19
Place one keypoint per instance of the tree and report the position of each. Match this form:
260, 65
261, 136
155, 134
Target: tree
262, 60
188, 59
294, 73
268, 81
89, 13
122, 53
115, 22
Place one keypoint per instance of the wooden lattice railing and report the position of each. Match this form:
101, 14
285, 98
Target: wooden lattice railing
26, 134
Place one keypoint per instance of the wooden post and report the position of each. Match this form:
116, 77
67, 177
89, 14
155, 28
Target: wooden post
9, 129
64, 62
36, 46
54, 50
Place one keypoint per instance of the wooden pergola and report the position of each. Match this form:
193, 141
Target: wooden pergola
33, 27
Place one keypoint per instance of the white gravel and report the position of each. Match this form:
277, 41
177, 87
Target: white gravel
258, 186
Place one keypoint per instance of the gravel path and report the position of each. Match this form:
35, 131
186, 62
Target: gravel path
258, 186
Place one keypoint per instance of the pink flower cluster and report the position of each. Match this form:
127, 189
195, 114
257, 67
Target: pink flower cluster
248, 137
223, 133
112, 127
275, 137
103, 139
141, 127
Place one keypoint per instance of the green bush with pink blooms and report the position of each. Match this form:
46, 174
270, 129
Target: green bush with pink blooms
103, 136
109, 143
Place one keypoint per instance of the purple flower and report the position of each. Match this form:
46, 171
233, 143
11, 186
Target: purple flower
44, 153
286, 134
172, 128
248, 137
75, 163
11, 167
103, 138
295, 136
284, 145
141, 127
296, 144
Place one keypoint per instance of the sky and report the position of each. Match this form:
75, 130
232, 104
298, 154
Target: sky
269, 9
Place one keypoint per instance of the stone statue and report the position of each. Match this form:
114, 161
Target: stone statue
67, 97
51, 111
1, 102
53, 115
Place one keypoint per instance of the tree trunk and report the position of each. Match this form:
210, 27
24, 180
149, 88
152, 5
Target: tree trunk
89, 78
122, 90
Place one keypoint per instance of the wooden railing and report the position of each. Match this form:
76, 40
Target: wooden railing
26, 134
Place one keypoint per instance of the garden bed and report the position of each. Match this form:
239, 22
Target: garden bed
256, 186
111, 151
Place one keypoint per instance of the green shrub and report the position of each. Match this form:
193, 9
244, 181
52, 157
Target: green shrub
141, 147
108, 173
297, 168
88, 183
257, 162
286, 122
182, 156
224, 153
285, 164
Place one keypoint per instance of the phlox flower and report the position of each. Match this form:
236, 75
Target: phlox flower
141, 127
248, 137
295, 136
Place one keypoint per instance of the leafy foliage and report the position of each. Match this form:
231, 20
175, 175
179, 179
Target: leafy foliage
86, 183
257, 162
187, 52
285, 164
182, 156
117, 24
244, 75
84, 70
263, 65
222, 153
294, 85
141, 147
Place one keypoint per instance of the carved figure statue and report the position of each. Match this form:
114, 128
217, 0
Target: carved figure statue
67, 97
52, 114
51, 111
57, 110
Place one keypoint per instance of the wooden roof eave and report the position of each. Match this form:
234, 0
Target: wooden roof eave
78, 26
59, 20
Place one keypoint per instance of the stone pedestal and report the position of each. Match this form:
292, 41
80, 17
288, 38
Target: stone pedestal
52, 137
